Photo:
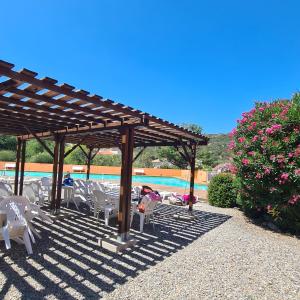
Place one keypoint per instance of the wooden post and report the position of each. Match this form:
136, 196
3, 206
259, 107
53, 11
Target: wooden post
54, 174
89, 158
60, 172
127, 138
22, 167
192, 179
19, 145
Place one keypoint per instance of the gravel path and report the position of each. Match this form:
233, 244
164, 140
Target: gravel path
237, 260
214, 257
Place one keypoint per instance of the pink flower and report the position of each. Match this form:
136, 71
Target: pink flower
260, 132
231, 145
261, 108
245, 161
280, 158
255, 138
273, 128
294, 199
290, 155
267, 171
258, 176
297, 172
241, 139
264, 139
269, 207
286, 139
272, 157
251, 153
233, 132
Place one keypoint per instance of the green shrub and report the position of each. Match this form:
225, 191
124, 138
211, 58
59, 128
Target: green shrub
7, 155
42, 157
222, 191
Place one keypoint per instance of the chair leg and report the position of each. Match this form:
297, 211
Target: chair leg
142, 220
106, 216
27, 243
131, 218
5, 235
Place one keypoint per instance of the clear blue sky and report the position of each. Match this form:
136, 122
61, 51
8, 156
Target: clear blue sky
201, 62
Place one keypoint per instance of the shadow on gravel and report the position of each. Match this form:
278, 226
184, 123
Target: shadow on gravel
68, 263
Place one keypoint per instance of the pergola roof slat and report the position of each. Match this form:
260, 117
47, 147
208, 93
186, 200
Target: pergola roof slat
49, 107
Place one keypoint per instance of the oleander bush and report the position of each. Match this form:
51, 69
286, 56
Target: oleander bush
222, 190
7, 155
266, 156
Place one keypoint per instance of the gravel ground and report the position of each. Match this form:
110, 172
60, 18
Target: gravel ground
218, 256
237, 260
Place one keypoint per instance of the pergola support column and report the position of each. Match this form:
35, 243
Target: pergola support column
54, 174
192, 179
23, 156
16, 183
127, 139
60, 172
89, 158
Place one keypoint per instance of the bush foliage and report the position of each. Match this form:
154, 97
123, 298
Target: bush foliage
7, 155
266, 154
42, 157
222, 191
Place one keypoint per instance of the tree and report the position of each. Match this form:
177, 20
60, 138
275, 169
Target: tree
8, 143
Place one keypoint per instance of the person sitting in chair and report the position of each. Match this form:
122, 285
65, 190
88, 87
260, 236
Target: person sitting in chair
68, 181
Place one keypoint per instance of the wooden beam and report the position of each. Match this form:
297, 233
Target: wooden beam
22, 168
8, 84
73, 106
40, 141
19, 146
86, 155
60, 172
89, 158
193, 148
182, 155
97, 150
75, 146
188, 156
141, 151
54, 175
125, 184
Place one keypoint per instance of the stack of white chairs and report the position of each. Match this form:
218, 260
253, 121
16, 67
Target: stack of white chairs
16, 215
46, 187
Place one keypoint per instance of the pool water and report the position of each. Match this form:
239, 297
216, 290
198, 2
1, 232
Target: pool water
168, 181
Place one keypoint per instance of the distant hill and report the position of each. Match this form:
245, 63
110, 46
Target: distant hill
217, 148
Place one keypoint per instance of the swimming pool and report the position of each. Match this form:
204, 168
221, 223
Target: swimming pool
168, 181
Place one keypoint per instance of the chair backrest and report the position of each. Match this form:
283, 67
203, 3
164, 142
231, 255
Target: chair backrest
29, 193
149, 205
3, 192
46, 182
15, 208
35, 185
100, 197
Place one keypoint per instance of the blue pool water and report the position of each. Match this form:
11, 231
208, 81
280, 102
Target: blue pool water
168, 181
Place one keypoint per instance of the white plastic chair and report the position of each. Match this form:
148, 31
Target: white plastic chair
148, 207
3, 193
29, 193
46, 186
16, 227
103, 202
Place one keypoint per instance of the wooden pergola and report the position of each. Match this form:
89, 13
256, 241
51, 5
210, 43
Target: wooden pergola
40, 108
